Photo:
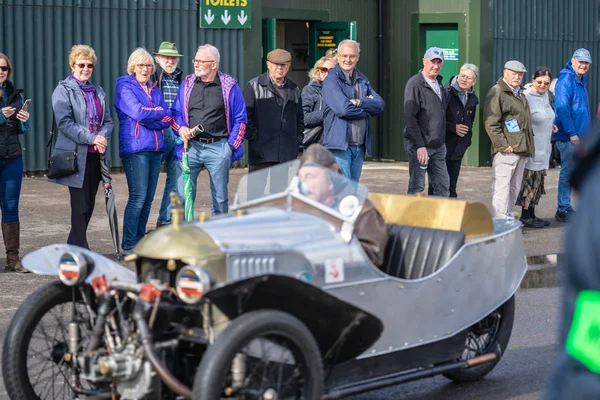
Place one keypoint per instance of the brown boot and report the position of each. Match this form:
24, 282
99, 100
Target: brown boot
12, 235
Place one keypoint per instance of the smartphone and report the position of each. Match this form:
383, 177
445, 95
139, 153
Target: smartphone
26, 105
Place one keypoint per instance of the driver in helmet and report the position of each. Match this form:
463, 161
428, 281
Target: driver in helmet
316, 184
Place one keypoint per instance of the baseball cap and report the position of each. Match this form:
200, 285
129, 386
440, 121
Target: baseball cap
582, 55
434, 52
515, 65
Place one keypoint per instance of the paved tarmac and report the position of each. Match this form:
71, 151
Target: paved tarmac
45, 211
45, 219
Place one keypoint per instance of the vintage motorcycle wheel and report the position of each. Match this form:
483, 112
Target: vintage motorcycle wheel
276, 357
488, 335
33, 358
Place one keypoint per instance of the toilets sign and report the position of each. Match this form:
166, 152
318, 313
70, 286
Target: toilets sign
225, 14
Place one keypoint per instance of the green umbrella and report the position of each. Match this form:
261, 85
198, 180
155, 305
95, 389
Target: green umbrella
187, 184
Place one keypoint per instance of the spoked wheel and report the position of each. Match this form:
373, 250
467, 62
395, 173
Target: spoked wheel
489, 335
36, 363
264, 354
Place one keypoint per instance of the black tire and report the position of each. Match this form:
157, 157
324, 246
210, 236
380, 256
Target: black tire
281, 328
496, 343
26, 365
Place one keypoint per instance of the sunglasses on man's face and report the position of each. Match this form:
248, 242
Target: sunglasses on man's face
4, 68
82, 66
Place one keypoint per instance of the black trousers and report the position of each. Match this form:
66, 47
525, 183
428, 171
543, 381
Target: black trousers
453, 167
83, 201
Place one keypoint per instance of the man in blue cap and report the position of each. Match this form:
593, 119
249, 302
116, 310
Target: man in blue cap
573, 120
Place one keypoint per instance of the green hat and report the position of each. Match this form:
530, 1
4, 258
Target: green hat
168, 49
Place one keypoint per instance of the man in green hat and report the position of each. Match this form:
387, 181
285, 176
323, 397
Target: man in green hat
168, 77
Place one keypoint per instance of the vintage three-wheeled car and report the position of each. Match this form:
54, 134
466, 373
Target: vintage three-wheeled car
276, 300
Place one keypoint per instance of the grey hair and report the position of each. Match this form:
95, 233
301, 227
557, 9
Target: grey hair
140, 54
350, 42
472, 67
214, 52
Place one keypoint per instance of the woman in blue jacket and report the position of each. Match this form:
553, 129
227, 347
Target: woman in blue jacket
143, 114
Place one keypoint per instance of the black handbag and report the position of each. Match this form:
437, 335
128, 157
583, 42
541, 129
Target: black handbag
63, 163
314, 134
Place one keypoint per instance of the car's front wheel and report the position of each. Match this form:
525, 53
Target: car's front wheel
264, 354
490, 335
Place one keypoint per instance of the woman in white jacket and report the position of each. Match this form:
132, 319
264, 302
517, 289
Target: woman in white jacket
541, 105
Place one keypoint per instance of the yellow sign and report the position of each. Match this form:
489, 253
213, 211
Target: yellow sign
326, 39
226, 3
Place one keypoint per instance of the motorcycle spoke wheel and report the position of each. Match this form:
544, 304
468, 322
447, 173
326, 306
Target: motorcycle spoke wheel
50, 374
36, 363
263, 354
275, 368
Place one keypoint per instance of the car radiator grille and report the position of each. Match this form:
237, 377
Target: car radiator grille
251, 266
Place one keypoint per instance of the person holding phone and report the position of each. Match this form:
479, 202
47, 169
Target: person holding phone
84, 125
14, 120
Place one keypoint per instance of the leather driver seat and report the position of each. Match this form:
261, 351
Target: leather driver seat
415, 252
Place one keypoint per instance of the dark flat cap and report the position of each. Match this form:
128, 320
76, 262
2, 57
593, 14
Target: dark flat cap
279, 56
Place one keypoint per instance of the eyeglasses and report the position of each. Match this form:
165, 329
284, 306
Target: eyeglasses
542, 83
144, 66
202, 61
83, 65
324, 70
469, 78
4, 68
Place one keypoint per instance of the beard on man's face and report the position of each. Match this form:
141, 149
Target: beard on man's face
168, 68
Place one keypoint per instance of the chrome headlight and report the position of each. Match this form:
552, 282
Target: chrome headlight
192, 282
73, 268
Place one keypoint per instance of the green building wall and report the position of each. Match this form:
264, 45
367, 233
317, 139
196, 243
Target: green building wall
403, 58
37, 36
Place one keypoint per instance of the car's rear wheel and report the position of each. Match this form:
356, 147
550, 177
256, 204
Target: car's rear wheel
489, 335
265, 354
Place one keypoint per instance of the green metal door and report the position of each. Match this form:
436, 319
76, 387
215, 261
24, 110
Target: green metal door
444, 36
323, 36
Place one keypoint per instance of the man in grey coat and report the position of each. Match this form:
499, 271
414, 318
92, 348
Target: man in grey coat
425, 102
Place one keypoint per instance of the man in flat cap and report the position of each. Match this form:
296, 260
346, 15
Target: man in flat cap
508, 124
275, 116
573, 120
168, 77
348, 102
425, 102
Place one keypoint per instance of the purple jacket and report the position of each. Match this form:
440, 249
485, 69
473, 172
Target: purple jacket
142, 116
235, 112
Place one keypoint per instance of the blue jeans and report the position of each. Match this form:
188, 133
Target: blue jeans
566, 168
142, 171
350, 161
436, 170
11, 176
216, 158
168, 157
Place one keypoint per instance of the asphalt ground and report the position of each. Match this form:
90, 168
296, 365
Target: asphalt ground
45, 209
45, 219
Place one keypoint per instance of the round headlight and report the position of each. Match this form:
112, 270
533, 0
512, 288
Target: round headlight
192, 282
72, 269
